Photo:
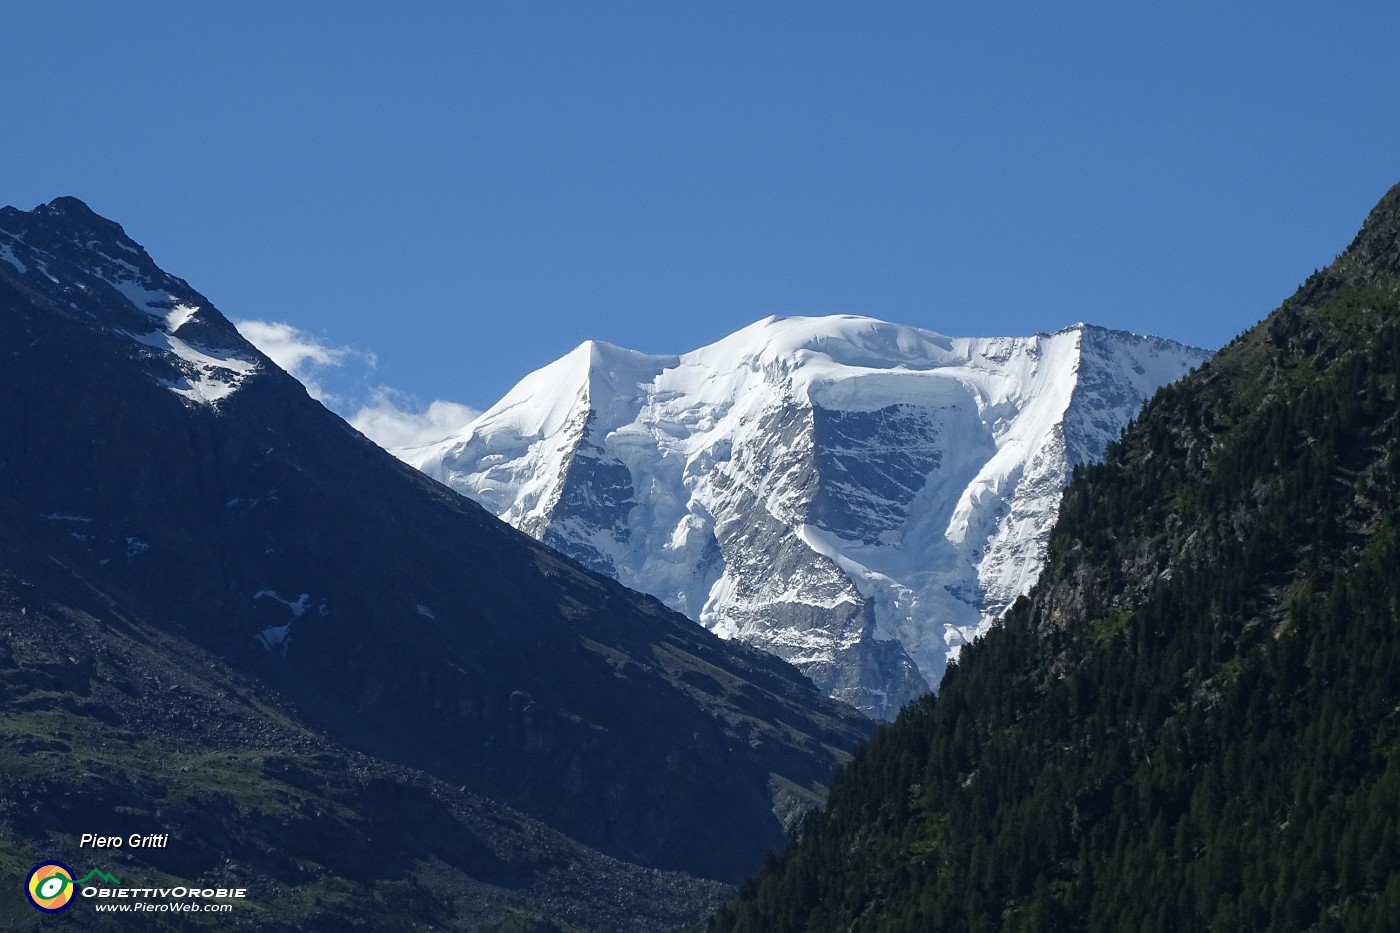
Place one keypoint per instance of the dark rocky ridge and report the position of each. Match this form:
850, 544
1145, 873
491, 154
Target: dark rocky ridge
522, 676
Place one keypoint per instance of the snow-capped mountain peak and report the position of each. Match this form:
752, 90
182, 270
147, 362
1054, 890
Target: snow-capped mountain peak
857, 496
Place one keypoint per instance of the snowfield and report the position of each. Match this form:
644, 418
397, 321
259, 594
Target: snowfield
858, 497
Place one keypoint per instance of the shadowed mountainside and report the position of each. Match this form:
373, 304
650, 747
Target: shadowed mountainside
164, 487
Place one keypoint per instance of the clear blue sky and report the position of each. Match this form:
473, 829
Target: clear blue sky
466, 191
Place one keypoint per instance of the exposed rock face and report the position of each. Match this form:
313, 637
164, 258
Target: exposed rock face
857, 497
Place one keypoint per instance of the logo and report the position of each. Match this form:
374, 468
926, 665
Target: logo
50, 887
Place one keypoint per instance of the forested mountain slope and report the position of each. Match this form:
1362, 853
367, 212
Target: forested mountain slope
1193, 722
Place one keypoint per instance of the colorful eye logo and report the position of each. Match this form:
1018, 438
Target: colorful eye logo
50, 886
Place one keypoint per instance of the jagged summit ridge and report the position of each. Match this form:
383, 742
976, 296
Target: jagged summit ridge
856, 496
71, 256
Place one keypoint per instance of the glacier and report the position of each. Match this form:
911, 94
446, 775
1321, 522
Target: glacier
857, 497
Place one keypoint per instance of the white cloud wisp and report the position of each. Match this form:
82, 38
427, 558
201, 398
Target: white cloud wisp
300, 354
389, 417
393, 425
